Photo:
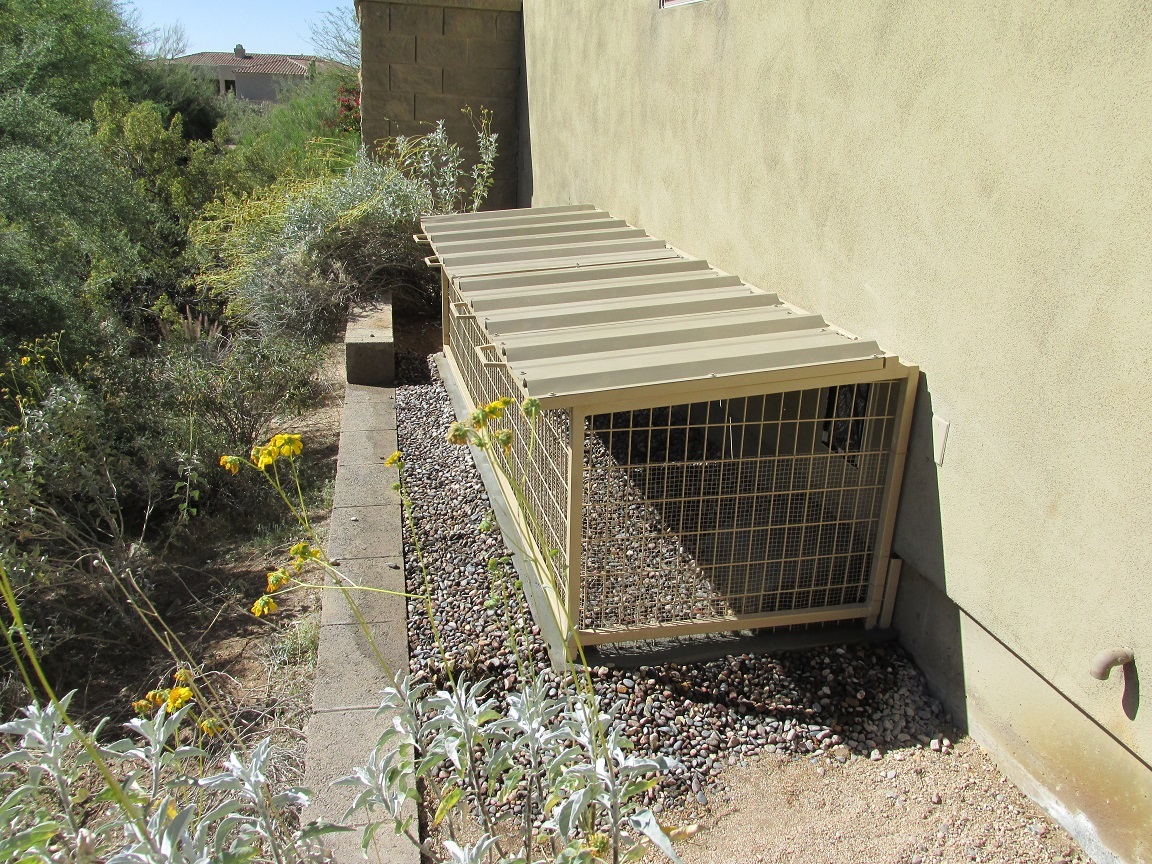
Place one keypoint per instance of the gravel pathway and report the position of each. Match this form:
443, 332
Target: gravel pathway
842, 702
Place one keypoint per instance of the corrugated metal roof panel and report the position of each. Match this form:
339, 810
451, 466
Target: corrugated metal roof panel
576, 301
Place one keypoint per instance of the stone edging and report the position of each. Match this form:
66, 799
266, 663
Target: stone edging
366, 539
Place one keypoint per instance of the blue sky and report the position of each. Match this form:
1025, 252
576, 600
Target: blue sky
261, 26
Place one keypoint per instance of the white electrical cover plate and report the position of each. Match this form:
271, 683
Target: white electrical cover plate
939, 438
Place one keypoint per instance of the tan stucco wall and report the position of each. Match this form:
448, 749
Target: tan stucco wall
968, 183
426, 60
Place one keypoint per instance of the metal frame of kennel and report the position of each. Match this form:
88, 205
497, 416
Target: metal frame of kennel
741, 459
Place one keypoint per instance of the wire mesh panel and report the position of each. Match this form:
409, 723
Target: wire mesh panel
538, 460
750, 506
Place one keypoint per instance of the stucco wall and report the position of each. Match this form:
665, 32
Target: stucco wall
971, 185
425, 60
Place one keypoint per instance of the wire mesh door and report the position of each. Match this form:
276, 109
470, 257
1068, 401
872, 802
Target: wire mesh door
536, 466
761, 506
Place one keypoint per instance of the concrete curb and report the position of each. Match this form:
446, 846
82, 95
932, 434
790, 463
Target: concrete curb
366, 540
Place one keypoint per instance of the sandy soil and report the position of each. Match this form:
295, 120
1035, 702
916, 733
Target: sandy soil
913, 807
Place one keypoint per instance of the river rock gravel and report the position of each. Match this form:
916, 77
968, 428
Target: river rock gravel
724, 720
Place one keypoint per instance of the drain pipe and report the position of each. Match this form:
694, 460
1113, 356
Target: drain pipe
1106, 660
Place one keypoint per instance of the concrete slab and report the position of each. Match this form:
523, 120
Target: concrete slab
366, 447
366, 538
371, 415
365, 532
376, 607
362, 485
345, 646
345, 734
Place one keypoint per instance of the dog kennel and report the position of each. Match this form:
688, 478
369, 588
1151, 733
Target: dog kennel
708, 458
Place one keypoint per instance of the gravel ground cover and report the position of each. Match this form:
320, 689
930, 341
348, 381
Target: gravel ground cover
841, 708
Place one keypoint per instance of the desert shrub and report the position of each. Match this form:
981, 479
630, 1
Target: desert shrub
292, 257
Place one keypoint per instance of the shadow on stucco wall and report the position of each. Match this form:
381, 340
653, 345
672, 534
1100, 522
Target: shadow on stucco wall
925, 617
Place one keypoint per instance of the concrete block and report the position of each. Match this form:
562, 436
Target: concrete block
345, 646
365, 485
478, 81
373, 416
441, 51
369, 350
509, 25
417, 79
338, 741
470, 23
417, 20
374, 132
450, 108
364, 532
354, 394
385, 573
392, 106
408, 128
365, 448
380, 46
493, 53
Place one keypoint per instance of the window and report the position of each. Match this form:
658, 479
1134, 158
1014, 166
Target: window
229, 87
664, 3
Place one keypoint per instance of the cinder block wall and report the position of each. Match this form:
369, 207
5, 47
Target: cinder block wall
426, 60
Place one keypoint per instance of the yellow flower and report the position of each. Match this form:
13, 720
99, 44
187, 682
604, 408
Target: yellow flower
303, 552
264, 606
504, 439
13, 428
286, 445
172, 811
277, 579
262, 457
211, 727
157, 697
531, 408
478, 418
496, 409
142, 706
183, 676
178, 697
230, 463
393, 460
459, 434
24, 361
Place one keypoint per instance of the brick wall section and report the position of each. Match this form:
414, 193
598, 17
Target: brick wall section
426, 60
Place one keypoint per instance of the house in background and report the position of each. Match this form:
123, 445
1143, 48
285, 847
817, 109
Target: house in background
968, 184
255, 77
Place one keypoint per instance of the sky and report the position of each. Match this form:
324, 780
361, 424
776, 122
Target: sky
261, 26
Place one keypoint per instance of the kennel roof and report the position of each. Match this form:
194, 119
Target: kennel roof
577, 303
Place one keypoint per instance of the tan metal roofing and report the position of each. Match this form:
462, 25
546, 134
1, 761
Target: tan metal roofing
576, 301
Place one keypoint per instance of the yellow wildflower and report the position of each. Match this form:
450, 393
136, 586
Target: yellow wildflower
277, 579
142, 706
262, 457
210, 726
303, 552
172, 811
286, 445
157, 697
504, 439
459, 434
13, 428
183, 676
393, 460
24, 361
531, 408
264, 606
496, 409
178, 697
478, 418
230, 463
